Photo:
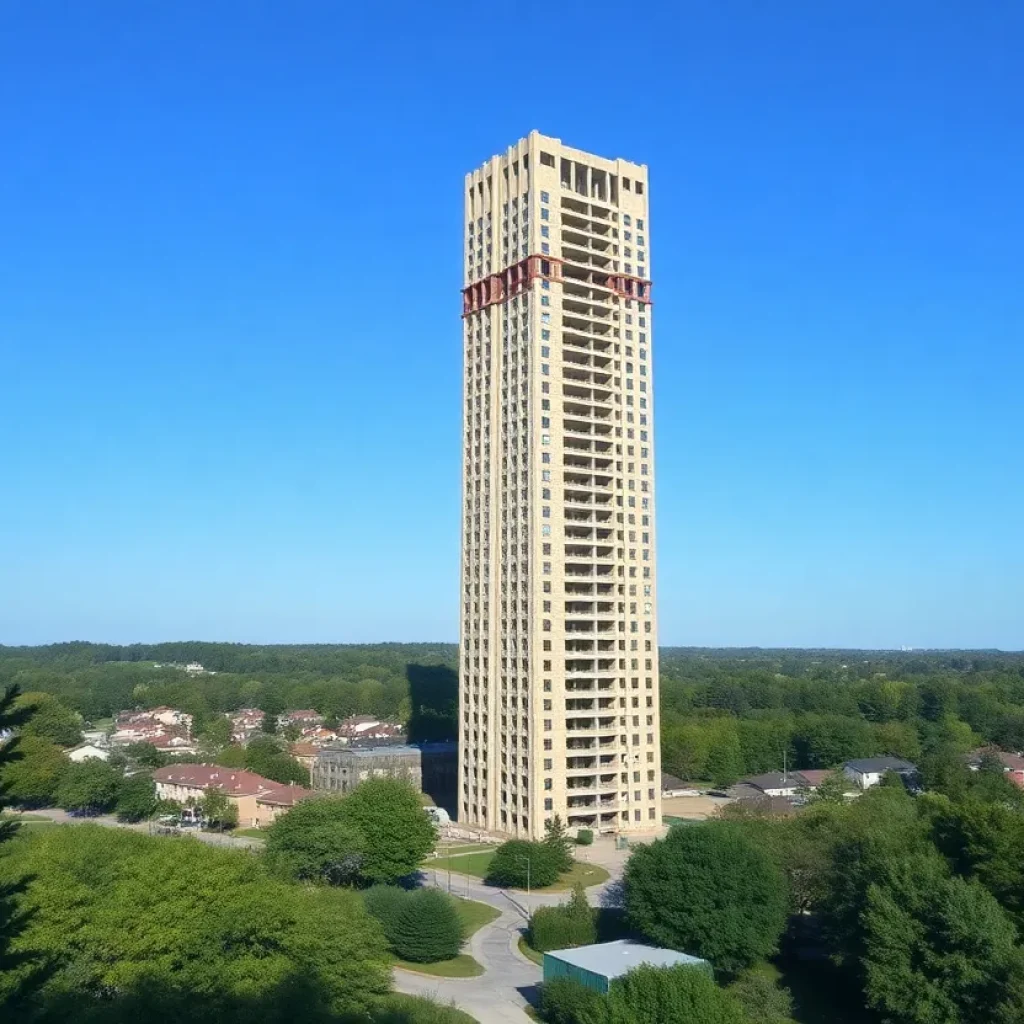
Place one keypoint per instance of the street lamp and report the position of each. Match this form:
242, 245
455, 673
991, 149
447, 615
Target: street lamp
527, 859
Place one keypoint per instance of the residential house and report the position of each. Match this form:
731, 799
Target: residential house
304, 719
785, 784
368, 729
259, 801
866, 772
165, 728
87, 752
1013, 764
245, 723
671, 786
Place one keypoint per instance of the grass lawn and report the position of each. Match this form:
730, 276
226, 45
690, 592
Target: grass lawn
444, 849
474, 864
462, 966
250, 833
477, 864
415, 1008
529, 952
588, 874
474, 915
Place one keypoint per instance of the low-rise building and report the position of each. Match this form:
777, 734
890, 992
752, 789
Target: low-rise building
787, 784
259, 801
431, 768
87, 752
245, 723
866, 772
598, 965
1013, 764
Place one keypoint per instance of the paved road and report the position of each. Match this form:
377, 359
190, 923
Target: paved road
109, 821
509, 981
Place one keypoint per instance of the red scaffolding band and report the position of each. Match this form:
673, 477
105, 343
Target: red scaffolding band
510, 281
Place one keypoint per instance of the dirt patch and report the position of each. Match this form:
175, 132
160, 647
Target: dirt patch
697, 808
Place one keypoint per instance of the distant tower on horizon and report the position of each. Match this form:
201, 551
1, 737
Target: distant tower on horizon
558, 691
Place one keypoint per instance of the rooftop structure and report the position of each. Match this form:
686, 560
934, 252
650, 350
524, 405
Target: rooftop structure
598, 965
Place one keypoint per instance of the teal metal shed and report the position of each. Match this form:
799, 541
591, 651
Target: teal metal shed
598, 965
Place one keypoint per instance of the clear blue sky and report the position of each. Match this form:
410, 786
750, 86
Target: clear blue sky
229, 309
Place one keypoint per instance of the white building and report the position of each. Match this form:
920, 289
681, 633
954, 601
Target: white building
87, 752
869, 771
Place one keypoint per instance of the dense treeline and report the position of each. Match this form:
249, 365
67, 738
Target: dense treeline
725, 713
414, 683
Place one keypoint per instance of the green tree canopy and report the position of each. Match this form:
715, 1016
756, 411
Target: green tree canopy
89, 787
31, 780
51, 720
709, 891
520, 863
939, 950
561, 843
395, 831
218, 809
315, 841
138, 919
136, 798
264, 756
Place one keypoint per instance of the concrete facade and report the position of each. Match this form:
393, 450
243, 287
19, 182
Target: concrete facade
558, 699
429, 767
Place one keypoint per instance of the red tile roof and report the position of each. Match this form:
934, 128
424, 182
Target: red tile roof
207, 776
285, 796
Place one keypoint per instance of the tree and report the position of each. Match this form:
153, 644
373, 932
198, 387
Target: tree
832, 789
520, 863
51, 720
315, 842
395, 830
90, 787
264, 757
136, 800
32, 779
427, 927
939, 950
145, 755
708, 890
272, 705
984, 841
560, 842
565, 926
762, 1000
385, 902
12, 922
218, 809
670, 995
566, 1001
232, 756
725, 761
146, 929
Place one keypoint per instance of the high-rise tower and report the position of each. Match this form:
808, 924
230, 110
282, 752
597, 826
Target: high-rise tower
558, 692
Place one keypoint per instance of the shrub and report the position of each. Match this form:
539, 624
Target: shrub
427, 927
584, 837
564, 1001
565, 926
657, 995
385, 903
509, 867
